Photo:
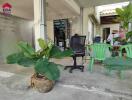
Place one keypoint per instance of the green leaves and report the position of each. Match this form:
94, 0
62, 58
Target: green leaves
125, 15
48, 69
14, 58
46, 47
119, 11
25, 58
27, 49
128, 35
19, 58
43, 44
57, 53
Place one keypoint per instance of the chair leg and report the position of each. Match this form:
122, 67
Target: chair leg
108, 71
83, 60
90, 66
122, 74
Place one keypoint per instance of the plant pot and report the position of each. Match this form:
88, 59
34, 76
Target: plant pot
41, 84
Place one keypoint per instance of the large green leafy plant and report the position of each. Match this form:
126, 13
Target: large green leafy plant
28, 57
125, 16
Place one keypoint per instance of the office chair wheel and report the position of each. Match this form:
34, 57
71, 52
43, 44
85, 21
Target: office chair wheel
65, 68
70, 71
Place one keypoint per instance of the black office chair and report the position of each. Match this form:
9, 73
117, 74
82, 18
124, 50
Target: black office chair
77, 44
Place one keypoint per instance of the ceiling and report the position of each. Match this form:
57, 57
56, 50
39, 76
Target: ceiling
59, 10
88, 3
55, 10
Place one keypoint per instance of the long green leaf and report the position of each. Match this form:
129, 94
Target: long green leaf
125, 15
128, 35
57, 53
14, 58
19, 58
48, 69
27, 49
42, 43
119, 11
26, 62
66, 53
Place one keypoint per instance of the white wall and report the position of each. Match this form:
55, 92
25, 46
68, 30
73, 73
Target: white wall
26, 31
87, 23
13, 30
73, 6
111, 26
50, 30
89, 35
75, 25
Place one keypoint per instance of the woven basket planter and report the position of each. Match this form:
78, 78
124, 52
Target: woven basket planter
41, 84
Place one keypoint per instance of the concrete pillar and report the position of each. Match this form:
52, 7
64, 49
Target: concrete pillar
130, 23
81, 20
130, 26
40, 21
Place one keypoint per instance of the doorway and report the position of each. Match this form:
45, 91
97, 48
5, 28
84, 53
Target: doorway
61, 32
106, 32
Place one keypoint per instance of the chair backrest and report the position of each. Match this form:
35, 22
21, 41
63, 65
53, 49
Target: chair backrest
77, 43
128, 49
99, 50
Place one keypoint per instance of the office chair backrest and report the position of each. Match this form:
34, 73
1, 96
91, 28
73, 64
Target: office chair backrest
77, 43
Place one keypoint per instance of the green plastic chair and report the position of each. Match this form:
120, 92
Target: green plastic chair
128, 49
97, 52
120, 63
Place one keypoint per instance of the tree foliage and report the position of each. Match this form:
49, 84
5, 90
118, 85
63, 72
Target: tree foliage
125, 16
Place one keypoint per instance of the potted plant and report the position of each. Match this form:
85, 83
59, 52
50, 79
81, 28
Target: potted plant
46, 72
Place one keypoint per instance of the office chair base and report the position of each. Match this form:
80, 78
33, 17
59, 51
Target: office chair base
81, 67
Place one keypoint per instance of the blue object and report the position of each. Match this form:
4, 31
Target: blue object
97, 39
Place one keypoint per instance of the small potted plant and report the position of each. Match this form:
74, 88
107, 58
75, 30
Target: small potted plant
46, 72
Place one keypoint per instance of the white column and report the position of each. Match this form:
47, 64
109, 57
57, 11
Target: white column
39, 21
81, 20
130, 23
